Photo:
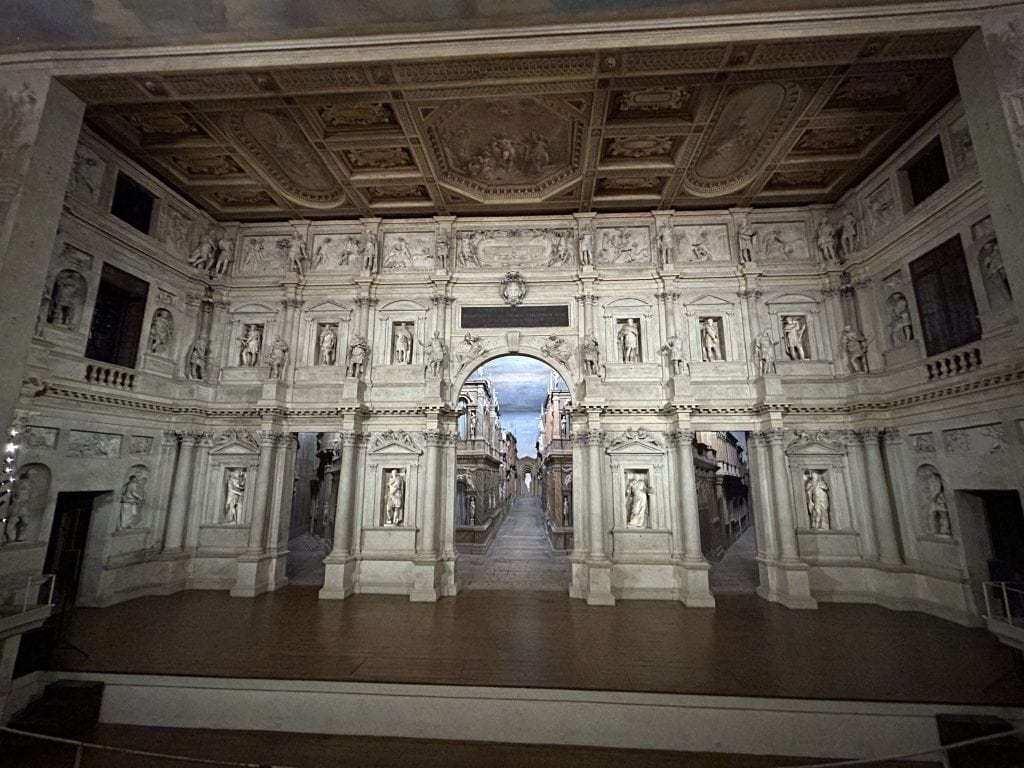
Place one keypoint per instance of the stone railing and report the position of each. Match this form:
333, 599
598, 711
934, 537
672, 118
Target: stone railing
107, 376
953, 363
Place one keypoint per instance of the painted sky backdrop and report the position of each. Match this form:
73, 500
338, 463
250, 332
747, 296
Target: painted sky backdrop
521, 384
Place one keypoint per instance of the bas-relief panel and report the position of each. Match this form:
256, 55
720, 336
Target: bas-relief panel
504, 248
41, 438
783, 242
87, 172
336, 253
175, 229
880, 208
99, 444
408, 251
623, 245
707, 243
263, 255
987, 438
962, 148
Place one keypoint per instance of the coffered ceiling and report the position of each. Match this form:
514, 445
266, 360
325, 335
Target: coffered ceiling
772, 123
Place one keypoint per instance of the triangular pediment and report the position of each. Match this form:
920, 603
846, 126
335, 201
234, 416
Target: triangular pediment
636, 442
395, 442
816, 444
327, 306
708, 299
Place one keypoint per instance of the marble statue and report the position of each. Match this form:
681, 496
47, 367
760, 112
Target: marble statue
993, 273
826, 238
328, 343
394, 499
848, 239
67, 299
745, 236
225, 255
764, 352
204, 256
435, 355
234, 494
251, 341
590, 354
371, 254
133, 497
358, 351
443, 252
855, 349
675, 349
473, 424
471, 514
666, 244
636, 501
816, 493
933, 501
195, 369
161, 330
901, 327
629, 341
277, 357
710, 343
298, 258
563, 425
793, 330
19, 509
469, 348
403, 344
586, 249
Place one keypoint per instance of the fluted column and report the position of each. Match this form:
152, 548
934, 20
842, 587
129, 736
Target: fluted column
344, 515
878, 486
783, 497
688, 495
181, 492
261, 497
595, 440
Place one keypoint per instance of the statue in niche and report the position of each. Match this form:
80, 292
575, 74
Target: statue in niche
277, 357
793, 330
469, 348
67, 299
195, 369
764, 352
225, 255
637, 492
133, 497
435, 355
328, 342
826, 239
710, 341
371, 254
675, 349
855, 348
161, 330
563, 425
745, 236
403, 344
993, 272
932, 496
901, 327
235, 493
394, 499
20, 507
555, 346
816, 494
848, 238
297, 254
590, 354
358, 351
204, 256
473, 424
666, 244
586, 249
629, 341
471, 514
251, 341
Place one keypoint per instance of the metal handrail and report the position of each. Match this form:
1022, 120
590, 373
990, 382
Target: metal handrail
1001, 600
33, 584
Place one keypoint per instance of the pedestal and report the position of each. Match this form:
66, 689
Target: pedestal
353, 389
680, 389
786, 583
255, 574
693, 585
426, 581
339, 577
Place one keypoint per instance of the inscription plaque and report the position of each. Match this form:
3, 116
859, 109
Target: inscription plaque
536, 316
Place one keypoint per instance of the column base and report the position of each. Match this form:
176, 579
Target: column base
598, 583
426, 581
339, 577
788, 583
256, 575
692, 583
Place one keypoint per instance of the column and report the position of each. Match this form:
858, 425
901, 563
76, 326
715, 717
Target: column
161, 489
34, 169
595, 440
723, 509
860, 504
878, 486
760, 496
782, 496
688, 496
428, 520
289, 327
904, 508
344, 515
261, 494
181, 492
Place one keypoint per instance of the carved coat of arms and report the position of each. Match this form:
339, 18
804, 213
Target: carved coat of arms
513, 289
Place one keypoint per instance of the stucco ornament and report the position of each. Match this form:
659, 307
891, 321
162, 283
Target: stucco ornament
513, 289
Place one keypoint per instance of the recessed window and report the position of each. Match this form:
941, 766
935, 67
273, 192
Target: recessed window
117, 318
927, 172
133, 203
945, 301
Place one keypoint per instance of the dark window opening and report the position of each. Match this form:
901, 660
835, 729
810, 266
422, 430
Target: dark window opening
945, 300
117, 318
132, 204
927, 172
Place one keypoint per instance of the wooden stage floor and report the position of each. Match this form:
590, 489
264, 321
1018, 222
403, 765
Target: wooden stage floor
744, 647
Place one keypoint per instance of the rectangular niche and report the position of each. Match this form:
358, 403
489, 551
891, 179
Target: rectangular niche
394, 503
403, 342
712, 338
628, 341
795, 339
636, 483
327, 344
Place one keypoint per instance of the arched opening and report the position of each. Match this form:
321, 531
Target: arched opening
510, 531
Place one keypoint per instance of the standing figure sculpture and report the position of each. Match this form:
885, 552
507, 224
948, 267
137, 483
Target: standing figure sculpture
816, 492
67, 295
225, 255
234, 494
328, 345
435, 355
793, 330
666, 244
629, 342
933, 501
710, 341
590, 355
133, 496
826, 237
855, 348
204, 256
297, 254
277, 357
371, 257
586, 249
764, 352
636, 501
848, 239
675, 348
745, 236
357, 353
403, 344
394, 500
252, 340
195, 370
901, 327
161, 328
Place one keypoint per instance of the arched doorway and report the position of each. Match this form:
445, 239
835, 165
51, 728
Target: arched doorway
510, 533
